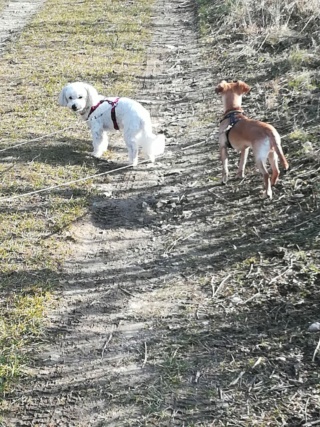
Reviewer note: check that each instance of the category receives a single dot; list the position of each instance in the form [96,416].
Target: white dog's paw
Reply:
[96,154]
[152,158]
[224,179]
[266,194]
[133,160]
[240,175]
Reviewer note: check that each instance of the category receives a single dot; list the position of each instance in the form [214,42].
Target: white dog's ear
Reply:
[62,98]
[93,95]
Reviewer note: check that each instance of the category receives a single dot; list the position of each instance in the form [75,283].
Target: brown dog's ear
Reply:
[243,87]
[220,87]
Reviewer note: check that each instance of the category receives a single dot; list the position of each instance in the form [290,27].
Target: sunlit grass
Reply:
[21,321]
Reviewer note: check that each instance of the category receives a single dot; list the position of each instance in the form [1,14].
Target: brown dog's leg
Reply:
[266,178]
[242,163]
[224,160]
[273,159]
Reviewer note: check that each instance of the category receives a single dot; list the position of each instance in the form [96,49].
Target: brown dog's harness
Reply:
[113,110]
[233,116]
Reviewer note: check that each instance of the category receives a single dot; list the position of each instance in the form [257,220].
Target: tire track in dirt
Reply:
[142,237]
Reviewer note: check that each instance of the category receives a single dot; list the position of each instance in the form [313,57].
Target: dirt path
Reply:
[118,285]
[14,17]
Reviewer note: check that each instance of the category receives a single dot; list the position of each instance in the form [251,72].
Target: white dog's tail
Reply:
[152,145]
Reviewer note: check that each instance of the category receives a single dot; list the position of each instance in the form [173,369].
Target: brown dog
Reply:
[239,132]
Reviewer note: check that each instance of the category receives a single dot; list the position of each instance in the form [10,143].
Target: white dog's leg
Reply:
[133,154]
[151,157]
[99,142]
[133,148]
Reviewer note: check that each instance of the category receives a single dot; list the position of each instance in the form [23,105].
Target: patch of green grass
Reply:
[173,367]
[248,261]
[302,81]
[299,134]
[299,57]
[172,370]
[103,43]
[21,322]
[209,11]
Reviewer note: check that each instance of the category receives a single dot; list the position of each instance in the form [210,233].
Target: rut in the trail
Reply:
[125,252]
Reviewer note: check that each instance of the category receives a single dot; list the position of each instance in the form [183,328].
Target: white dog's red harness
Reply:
[113,110]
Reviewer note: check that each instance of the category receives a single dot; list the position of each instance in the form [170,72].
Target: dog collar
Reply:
[230,113]
[113,110]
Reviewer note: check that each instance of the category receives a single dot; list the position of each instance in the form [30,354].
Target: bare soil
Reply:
[13,18]
[184,302]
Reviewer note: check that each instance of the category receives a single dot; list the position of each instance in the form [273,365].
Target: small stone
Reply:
[314,327]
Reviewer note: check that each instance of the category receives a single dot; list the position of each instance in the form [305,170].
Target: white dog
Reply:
[112,114]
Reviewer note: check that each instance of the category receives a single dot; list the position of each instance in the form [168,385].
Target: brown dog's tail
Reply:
[276,144]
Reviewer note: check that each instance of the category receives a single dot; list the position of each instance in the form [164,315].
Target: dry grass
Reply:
[259,16]
[274,46]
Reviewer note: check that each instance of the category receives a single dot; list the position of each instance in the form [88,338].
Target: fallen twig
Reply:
[316,351]
[250,270]
[311,423]
[215,292]
[126,292]
[145,354]
[234,382]
[172,245]
[282,274]
[251,298]
[106,343]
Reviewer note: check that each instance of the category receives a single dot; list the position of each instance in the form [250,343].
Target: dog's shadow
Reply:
[64,152]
